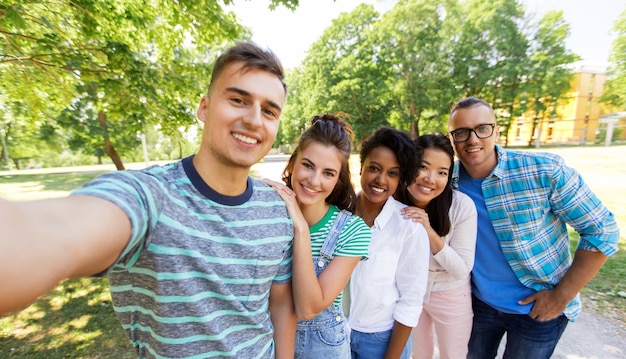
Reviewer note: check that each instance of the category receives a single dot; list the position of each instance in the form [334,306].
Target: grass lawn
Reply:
[18,186]
[76,319]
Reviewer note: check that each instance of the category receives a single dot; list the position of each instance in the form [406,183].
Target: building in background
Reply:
[580,118]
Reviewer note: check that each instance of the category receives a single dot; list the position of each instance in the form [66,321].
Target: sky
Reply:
[290,34]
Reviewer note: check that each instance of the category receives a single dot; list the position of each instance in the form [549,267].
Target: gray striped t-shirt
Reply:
[194,279]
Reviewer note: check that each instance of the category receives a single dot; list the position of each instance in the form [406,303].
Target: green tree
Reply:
[615,86]
[360,87]
[490,49]
[294,116]
[23,139]
[132,51]
[406,70]
[549,76]
[340,74]
[509,59]
[414,48]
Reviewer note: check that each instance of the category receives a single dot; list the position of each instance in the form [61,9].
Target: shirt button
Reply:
[338,318]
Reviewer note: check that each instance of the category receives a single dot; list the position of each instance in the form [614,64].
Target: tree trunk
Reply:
[5,150]
[415,125]
[414,130]
[108,147]
[511,110]
[531,139]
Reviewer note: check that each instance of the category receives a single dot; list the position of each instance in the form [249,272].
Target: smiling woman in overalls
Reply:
[321,201]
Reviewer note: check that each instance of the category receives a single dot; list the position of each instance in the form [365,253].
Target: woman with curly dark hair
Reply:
[388,288]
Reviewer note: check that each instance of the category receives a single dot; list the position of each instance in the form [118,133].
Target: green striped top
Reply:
[354,239]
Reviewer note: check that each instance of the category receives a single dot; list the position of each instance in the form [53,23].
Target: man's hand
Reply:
[549,304]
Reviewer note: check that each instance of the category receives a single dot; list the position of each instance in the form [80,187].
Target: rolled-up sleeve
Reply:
[412,277]
[574,202]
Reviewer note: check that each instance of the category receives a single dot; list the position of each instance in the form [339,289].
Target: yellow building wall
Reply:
[578,114]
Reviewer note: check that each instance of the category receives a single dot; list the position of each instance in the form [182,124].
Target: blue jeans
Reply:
[374,345]
[525,337]
[324,336]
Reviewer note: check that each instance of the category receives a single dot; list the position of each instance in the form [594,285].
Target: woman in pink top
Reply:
[449,217]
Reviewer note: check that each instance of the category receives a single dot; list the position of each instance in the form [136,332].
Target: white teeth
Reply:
[245,139]
[379,190]
[426,189]
[473,150]
[307,189]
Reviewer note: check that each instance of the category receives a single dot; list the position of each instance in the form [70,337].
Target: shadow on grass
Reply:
[75,320]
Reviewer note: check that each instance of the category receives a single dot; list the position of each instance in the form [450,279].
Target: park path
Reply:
[591,336]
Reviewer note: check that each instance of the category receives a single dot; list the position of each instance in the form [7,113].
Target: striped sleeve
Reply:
[354,239]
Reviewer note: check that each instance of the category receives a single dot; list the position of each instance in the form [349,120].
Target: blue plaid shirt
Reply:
[530,198]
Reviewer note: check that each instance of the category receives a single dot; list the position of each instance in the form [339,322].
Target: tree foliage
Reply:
[408,66]
[340,74]
[548,77]
[615,86]
[414,48]
[145,62]
[92,76]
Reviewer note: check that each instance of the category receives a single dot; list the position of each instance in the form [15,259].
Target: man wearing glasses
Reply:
[524,282]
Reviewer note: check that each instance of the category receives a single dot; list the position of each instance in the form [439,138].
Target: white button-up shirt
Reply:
[391,284]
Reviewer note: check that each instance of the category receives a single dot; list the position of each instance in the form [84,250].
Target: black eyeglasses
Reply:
[481,131]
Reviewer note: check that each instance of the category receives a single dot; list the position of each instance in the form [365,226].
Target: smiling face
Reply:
[380,175]
[433,177]
[315,174]
[240,116]
[478,155]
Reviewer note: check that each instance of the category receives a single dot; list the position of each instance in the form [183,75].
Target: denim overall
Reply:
[325,336]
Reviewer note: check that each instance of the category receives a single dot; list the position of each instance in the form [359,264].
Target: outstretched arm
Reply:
[44,242]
